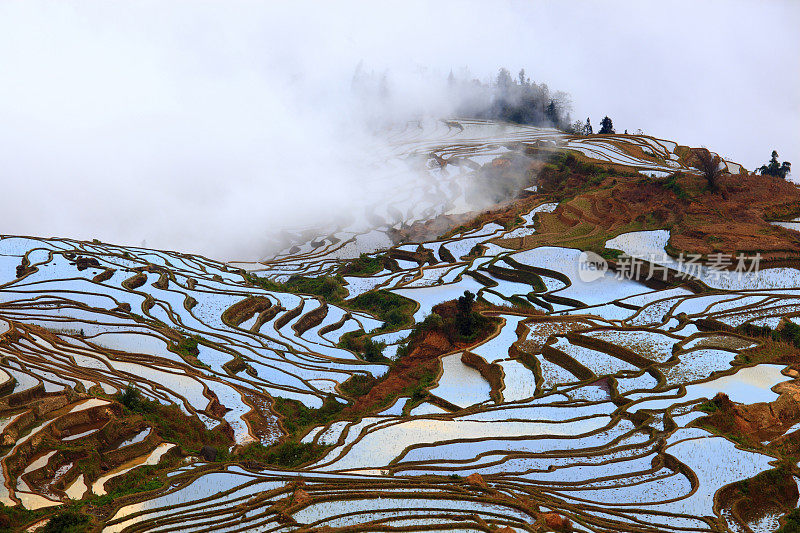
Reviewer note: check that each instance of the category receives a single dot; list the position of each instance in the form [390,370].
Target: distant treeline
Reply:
[504,97]
[512,99]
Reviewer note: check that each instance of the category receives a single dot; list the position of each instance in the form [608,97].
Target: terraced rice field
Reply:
[582,408]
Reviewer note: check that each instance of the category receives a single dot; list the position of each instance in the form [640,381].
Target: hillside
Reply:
[439,362]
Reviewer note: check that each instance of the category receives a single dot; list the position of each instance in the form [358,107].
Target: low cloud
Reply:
[203,126]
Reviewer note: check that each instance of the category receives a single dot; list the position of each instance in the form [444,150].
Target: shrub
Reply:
[433,321]
[11,517]
[792,524]
[67,522]
[349,341]
[141,479]
[373,351]
[790,332]
[708,407]
[671,183]
[187,348]
[358,341]
[358,384]
[709,165]
[133,400]
[331,288]
[289,454]
[171,423]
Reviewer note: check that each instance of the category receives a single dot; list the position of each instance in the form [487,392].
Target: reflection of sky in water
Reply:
[649,245]
[748,385]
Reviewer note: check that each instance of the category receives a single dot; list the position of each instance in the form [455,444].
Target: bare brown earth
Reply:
[731,220]
[422,363]
[735,218]
[758,422]
[422,360]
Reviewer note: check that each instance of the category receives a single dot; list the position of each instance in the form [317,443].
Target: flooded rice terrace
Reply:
[581,410]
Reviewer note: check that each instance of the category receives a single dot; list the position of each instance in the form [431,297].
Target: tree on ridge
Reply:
[606,126]
[773,168]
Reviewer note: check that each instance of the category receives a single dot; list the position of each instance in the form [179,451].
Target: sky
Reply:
[201,125]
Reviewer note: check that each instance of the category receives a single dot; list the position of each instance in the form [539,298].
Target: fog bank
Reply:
[201,126]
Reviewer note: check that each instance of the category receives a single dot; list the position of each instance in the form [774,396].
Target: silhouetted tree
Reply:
[587,129]
[773,168]
[552,113]
[606,126]
[521,76]
[710,165]
[464,318]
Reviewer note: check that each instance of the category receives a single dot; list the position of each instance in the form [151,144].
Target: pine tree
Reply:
[464,317]
[773,168]
[552,113]
[606,126]
[587,129]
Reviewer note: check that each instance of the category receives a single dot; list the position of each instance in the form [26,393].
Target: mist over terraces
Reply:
[427,361]
[481,267]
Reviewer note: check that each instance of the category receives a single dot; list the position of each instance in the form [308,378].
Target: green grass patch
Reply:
[297,417]
[610,254]
[68,521]
[365,265]
[708,407]
[358,384]
[12,518]
[188,349]
[289,454]
[792,524]
[173,425]
[331,288]
[671,184]
[396,311]
[142,479]
[358,341]
[418,392]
